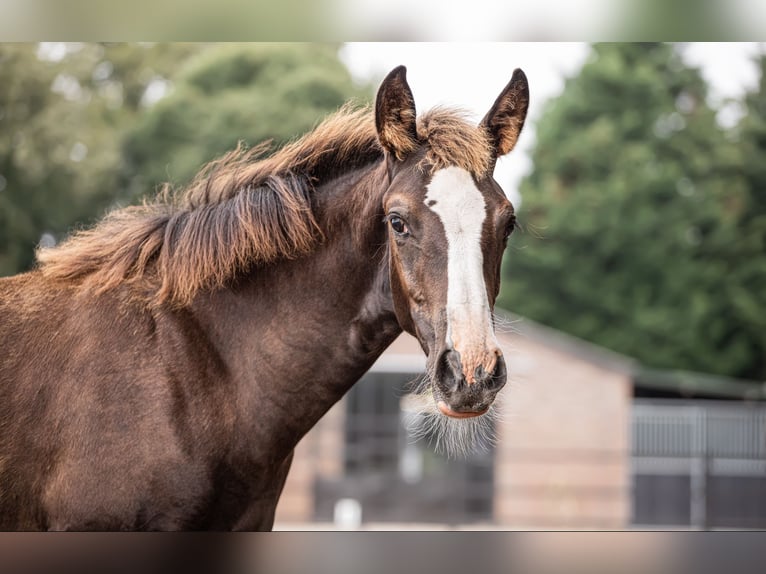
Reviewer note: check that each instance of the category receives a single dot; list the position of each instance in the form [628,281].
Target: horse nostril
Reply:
[449,371]
[497,379]
[453,360]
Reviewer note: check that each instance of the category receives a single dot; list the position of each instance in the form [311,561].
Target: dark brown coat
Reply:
[158,370]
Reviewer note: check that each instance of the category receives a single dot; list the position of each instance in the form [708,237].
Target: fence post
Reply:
[699,470]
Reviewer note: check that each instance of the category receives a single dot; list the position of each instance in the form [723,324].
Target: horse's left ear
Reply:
[506,118]
[395,114]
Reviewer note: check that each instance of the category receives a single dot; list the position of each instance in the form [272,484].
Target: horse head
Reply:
[448,226]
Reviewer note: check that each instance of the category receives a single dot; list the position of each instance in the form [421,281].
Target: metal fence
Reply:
[699,464]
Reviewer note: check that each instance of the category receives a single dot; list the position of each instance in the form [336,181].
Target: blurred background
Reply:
[633,307]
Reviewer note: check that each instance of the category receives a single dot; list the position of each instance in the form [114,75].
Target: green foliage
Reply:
[78,132]
[631,220]
[61,119]
[746,285]
[22,100]
[234,93]
[54,162]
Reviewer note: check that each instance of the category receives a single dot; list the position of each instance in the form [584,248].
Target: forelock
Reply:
[452,140]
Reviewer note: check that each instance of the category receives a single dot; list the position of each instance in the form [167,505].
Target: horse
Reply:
[159,368]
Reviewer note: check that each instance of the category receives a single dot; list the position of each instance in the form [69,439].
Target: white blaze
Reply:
[454,197]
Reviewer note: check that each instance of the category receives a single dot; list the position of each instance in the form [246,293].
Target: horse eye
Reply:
[509,228]
[398,225]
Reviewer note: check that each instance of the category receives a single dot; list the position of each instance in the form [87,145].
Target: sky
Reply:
[472,75]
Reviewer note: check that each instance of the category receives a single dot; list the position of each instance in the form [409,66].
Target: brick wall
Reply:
[562,458]
[563,446]
[320,452]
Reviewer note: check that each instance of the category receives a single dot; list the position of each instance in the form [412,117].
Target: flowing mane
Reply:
[244,209]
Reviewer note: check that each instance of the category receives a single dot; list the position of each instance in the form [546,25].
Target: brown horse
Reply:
[158,370]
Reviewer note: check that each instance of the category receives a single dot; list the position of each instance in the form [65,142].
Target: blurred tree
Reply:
[63,108]
[85,126]
[746,284]
[630,219]
[25,94]
[235,93]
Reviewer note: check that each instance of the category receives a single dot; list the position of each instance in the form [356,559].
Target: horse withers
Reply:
[158,369]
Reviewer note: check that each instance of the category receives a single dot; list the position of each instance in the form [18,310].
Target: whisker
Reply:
[456,438]
[504,324]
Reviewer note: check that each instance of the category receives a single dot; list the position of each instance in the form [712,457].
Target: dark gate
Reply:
[396,478]
[699,463]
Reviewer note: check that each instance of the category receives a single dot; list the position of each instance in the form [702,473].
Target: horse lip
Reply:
[446,410]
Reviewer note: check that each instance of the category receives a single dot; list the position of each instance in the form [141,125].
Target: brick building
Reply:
[564,458]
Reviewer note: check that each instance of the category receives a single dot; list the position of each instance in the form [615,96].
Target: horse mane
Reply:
[243,209]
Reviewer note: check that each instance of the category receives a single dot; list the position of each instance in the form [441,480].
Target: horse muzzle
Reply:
[459,396]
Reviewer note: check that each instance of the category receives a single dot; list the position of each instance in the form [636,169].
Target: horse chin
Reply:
[428,417]
[446,410]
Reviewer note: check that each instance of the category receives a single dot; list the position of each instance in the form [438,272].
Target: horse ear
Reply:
[506,118]
[395,114]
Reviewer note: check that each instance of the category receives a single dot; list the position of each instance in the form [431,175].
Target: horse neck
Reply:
[296,335]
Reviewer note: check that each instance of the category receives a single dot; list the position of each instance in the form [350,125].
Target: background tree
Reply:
[746,257]
[631,218]
[63,108]
[26,96]
[86,126]
[235,93]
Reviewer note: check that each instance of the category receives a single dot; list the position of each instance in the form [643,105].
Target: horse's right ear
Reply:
[395,114]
